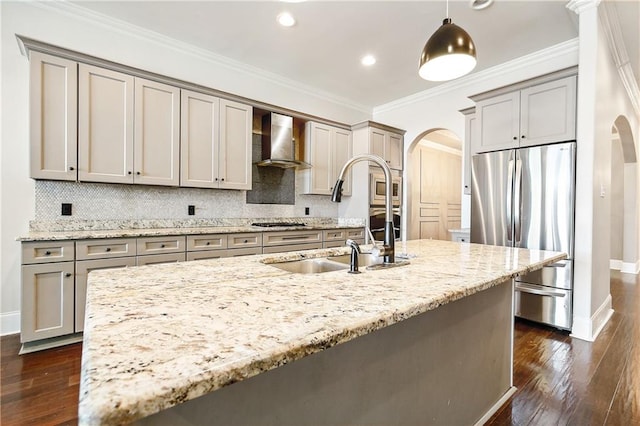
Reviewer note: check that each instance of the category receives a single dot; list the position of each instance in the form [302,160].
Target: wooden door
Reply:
[105,125]
[157,133]
[53,117]
[199,140]
[236,121]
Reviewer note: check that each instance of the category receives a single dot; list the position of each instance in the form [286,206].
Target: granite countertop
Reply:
[156,336]
[81,230]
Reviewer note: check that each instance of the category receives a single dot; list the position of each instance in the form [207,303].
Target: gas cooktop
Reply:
[274,224]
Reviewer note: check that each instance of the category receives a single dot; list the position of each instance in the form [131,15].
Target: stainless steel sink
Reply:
[311,266]
[364,259]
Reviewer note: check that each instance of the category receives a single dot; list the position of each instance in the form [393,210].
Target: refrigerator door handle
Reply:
[526,289]
[509,206]
[517,204]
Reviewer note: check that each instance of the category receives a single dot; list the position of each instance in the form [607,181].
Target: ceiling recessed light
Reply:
[368,60]
[286,19]
[480,4]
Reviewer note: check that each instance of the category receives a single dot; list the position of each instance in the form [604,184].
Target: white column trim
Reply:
[589,328]
[9,323]
[630,267]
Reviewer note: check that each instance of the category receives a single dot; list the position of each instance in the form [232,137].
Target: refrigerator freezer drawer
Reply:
[544,304]
[559,274]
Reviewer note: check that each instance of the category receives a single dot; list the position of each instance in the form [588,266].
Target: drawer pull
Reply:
[68,274]
[47,253]
[161,245]
[108,249]
[208,243]
[246,241]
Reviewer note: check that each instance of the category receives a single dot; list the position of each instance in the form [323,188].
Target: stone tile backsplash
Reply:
[98,201]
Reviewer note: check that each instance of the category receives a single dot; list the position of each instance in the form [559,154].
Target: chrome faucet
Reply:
[389,234]
[355,250]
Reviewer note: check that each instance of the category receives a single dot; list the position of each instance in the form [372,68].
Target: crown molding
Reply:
[579,6]
[549,54]
[78,12]
[608,15]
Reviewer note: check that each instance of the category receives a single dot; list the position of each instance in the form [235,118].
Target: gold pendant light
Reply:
[449,53]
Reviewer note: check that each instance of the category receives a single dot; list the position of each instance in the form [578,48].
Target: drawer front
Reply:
[158,245]
[355,234]
[244,251]
[334,235]
[155,259]
[291,237]
[47,251]
[291,247]
[206,242]
[341,243]
[249,239]
[105,248]
[206,254]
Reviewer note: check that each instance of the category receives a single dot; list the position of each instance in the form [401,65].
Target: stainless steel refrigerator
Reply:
[526,198]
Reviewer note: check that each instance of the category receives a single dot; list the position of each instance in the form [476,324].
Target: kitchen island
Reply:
[238,341]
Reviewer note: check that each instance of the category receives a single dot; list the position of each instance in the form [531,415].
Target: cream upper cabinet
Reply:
[387,145]
[53,104]
[327,149]
[105,125]
[236,121]
[539,114]
[156,155]
[128,129]
[215,142]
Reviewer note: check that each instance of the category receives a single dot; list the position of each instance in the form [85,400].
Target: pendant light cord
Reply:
[447,8]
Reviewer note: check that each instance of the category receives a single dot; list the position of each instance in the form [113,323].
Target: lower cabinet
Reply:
[47,301]
[83,267]
[155,259]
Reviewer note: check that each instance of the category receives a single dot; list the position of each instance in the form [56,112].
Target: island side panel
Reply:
[446,366]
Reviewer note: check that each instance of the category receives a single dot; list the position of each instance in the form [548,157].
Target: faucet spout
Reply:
[336,197]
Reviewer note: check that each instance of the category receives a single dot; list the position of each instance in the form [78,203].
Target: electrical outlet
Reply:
[66,209]
[192,210]
[306,211]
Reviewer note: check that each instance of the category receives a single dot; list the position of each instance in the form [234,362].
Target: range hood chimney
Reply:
[278,146]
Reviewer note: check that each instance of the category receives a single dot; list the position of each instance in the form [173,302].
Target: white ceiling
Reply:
[324,48]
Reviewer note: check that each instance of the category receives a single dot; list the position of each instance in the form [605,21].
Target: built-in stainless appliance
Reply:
[278,146]
[377,220]
[377,190]
[526,198]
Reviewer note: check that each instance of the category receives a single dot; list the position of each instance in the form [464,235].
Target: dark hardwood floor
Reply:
[560,380]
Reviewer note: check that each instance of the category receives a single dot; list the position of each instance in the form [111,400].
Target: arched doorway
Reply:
[434,185]
[624,198]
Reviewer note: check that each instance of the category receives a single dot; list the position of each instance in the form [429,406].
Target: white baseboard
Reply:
[630,268]
[9,323]
[615,264]
[494,409]
[589,328]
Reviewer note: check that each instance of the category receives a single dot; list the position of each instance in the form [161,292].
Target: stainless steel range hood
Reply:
[278,147]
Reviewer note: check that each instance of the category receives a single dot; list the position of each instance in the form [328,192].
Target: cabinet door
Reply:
[318,153]
[377,140]
[343,149]
[53,117]
[236,121]
[105,125]
[47,301]
[498,118]
[83,268]
[470,130]
[157,133]
[548,112]
[199,140]
[394,156]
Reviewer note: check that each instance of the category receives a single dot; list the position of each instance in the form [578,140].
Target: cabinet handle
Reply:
[71,168]
[246,241]
[68,274]
[108,249]
[222,179]
[138,173]
[515,138]
[129,172]
[208,243]
[161,245]
[216,179]
[47,253]
[523,136]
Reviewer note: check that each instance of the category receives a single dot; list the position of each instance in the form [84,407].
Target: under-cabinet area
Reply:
[55,273]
